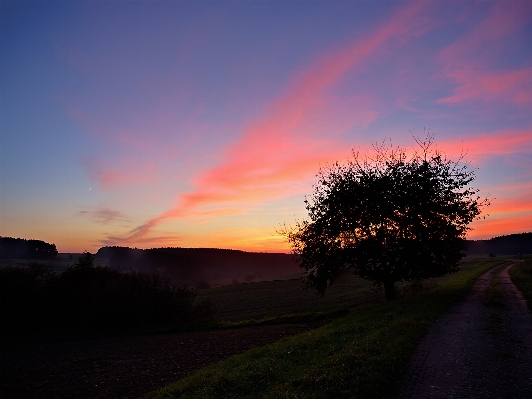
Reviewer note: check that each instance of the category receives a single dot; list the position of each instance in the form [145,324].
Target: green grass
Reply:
[271,299]
[361,355]
[266,299]
[521,275]
[495,303]
[495,296]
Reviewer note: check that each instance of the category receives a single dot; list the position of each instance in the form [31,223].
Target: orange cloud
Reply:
[145,242]
[490,227]
[517,198]
[284,146]
[510,212]
[255,239]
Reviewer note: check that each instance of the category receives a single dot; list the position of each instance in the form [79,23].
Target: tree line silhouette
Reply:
[20,248]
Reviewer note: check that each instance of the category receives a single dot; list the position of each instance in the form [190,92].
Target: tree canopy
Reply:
[389,218]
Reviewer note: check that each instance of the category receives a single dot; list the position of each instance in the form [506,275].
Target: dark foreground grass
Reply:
[521,275]
[361,355]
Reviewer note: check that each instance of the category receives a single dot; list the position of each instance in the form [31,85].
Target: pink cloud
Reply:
[511,87]
[284,147]
[502,142]
[471,61]
[484,39]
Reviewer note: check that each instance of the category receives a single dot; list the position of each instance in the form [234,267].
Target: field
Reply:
[59,264]
[355,353]
[361,355]
[270,299]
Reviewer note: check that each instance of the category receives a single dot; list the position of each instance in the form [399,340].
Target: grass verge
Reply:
[361,355]
[521,275]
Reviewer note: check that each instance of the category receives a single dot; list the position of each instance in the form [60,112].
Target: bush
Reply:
[21,295]
[87,298]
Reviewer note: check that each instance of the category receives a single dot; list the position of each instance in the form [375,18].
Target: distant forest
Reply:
[205,266]
[512,244]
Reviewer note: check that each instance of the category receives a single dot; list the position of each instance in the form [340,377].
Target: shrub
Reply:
[88,298]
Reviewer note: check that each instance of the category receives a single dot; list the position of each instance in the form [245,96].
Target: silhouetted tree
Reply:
[387,219]
[85,261]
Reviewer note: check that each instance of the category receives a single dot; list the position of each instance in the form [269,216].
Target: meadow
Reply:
[350,344]
[267,300]
[360,355]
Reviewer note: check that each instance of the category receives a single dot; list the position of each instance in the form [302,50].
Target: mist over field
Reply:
[200,266]
[211,266]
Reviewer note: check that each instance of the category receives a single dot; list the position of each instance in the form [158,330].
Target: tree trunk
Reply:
[389,291]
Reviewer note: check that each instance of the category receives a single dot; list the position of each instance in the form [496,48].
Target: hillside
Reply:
[195,266]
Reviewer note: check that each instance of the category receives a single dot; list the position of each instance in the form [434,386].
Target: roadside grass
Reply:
[521,275]
[361,355]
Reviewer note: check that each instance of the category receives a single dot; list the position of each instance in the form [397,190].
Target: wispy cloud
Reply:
[512,199]
[480,146]
[129,173]
[507,87]
[473,61]
[104,215]
[290,141]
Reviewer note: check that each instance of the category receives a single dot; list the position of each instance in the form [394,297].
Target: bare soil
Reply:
[126,367]
[481,349]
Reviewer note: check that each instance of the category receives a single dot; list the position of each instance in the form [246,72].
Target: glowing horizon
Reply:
[150,124]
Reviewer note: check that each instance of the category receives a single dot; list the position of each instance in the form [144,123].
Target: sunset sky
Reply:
[203,124]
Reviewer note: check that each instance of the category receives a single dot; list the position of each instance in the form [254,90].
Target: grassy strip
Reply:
[309,317]
[495,296]
[521,275]
[361,355]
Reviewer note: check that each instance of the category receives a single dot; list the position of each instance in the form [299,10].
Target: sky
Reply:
[203,123]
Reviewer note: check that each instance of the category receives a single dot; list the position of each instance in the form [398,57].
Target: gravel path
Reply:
[481,349]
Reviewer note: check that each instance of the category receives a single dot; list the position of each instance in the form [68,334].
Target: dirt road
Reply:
[481,349]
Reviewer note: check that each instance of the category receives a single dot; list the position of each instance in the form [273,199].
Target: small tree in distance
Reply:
[387,219]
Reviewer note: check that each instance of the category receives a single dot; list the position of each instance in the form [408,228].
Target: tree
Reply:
[85,261]
[387,219]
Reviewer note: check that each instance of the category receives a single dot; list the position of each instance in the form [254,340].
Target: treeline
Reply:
[20,248]
[36,301]
[195,266]
[512,244]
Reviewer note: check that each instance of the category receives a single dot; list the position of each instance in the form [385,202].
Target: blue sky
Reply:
[203,124]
